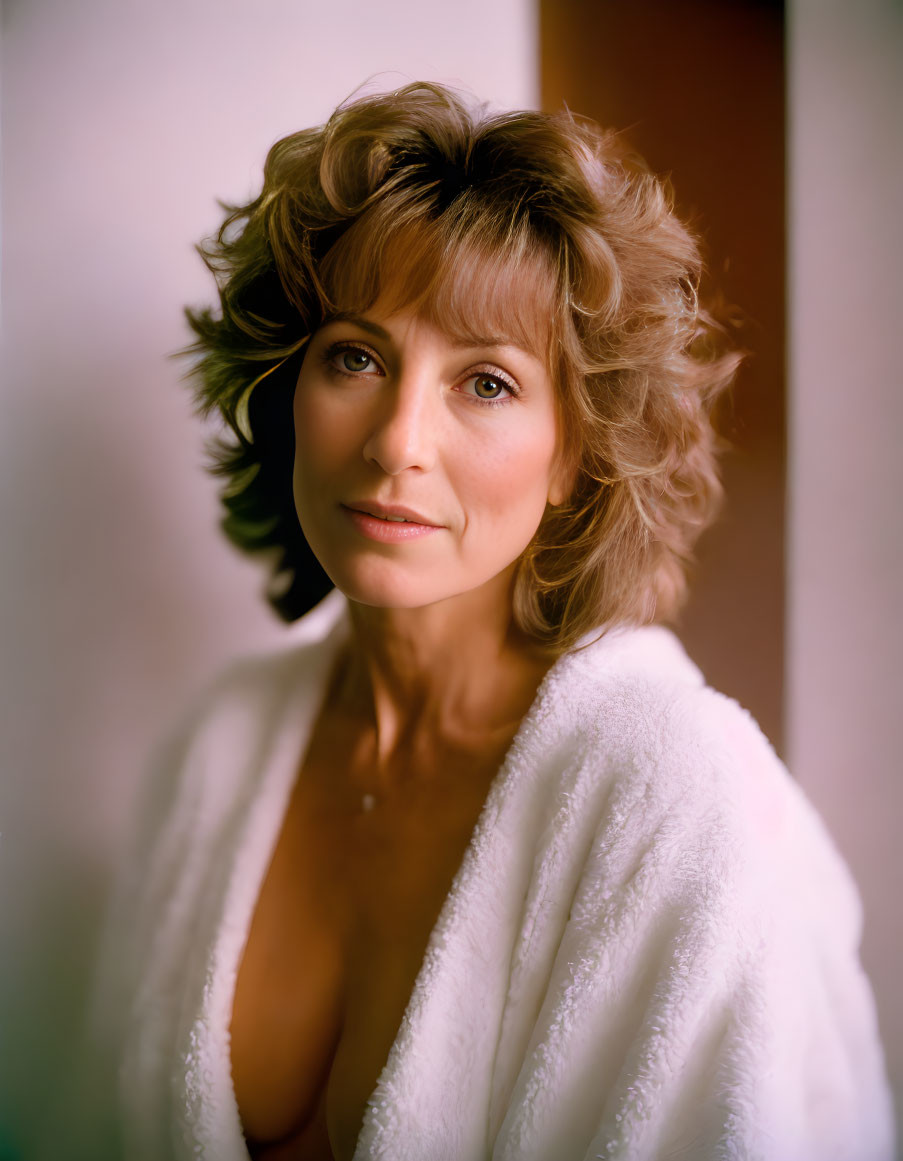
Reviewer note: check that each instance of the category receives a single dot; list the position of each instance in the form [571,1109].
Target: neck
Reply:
[457,672]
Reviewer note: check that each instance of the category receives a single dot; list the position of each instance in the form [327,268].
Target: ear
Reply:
[562,483]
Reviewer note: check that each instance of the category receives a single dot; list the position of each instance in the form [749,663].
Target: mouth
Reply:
[393,526]
[391,513]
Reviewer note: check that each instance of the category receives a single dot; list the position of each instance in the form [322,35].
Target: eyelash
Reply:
[335,349]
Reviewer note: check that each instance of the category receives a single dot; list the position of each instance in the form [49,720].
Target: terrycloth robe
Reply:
[650,949]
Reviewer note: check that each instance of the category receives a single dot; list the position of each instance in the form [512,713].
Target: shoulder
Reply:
[637,692]
[218,748]
[243,695]
[661,751]
[688,774]
[260,677]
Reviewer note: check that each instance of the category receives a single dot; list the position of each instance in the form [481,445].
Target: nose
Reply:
[404,430]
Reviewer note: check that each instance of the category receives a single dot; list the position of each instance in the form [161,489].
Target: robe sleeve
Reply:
[707,999]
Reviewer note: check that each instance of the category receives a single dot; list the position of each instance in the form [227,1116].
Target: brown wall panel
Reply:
[698,88]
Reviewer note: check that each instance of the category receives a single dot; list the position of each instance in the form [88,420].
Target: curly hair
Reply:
[541,228]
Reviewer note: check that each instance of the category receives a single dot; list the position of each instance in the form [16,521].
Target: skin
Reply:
[420,712]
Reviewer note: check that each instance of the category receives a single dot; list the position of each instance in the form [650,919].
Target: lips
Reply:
[393,512]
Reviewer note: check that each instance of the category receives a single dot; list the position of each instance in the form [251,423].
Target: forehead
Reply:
[476,293]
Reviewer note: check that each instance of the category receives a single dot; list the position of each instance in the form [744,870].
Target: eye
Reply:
[489,388]
[355,360]
[350,359]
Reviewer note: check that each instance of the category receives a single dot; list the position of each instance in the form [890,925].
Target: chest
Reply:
[337,939]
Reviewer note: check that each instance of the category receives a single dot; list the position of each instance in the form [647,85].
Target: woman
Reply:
[477,866]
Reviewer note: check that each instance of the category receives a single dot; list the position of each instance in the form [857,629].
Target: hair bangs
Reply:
[480,279]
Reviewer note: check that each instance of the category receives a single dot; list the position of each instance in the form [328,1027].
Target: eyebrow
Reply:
[462,342]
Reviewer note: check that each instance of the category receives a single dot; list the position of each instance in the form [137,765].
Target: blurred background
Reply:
[121,125]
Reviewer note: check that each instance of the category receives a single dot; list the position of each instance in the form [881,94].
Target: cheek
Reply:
[321,435]
[506,482]
[315,453]
[309,421]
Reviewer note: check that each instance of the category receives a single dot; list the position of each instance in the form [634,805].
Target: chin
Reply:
[386,589]
[384,585]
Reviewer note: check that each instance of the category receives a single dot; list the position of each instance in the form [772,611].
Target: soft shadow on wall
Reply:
[698,89]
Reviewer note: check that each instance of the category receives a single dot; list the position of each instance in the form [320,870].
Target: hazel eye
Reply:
[354,359]
[350,360]
[488,387]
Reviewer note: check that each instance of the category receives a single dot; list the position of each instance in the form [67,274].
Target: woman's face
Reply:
[390,412]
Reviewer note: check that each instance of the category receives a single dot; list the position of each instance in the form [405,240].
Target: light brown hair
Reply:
[539,229]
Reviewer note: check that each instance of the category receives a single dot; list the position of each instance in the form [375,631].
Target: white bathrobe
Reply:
[650,949]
